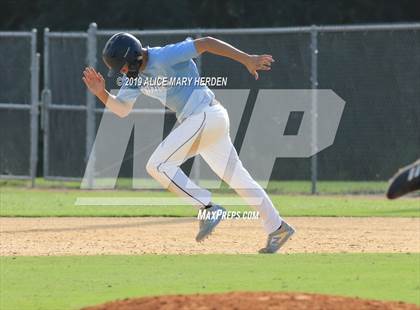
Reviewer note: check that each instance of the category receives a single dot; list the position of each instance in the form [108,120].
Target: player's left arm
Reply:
[252,62]
[95,82]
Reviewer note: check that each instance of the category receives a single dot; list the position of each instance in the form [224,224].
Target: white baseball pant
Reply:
[207,134]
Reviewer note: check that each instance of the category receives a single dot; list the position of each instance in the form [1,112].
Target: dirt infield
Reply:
[252,300]
[92,236]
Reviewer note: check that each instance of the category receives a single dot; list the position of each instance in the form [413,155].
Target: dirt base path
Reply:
[93,236]
[254,301]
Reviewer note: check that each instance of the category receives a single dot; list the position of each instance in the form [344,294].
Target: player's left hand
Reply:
[94,81]
[258,62]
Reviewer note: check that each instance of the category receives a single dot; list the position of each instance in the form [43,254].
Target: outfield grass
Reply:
[44,202]
[274,187]
[71,282]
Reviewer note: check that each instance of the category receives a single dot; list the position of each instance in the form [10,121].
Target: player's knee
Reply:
[156,166]
[152,168]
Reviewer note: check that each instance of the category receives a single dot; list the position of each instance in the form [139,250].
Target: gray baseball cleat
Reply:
[277,238]
[210,218]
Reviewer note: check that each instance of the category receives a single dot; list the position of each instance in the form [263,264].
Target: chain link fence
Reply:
[373,68]
[19,105]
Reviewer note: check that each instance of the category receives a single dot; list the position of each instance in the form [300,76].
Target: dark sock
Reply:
[209,205]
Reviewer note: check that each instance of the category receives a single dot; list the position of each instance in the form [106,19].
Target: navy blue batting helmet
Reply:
[123,48]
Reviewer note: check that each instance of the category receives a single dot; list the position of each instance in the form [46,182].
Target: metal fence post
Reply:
[197,159]
[90,104]
[314,110]
[34,107]
[46,101]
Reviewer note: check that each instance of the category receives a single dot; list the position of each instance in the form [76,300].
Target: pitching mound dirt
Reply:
[251,300]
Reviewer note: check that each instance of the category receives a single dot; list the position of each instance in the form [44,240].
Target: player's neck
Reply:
[145,57]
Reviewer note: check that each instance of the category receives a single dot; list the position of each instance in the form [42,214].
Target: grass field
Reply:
[279,187]
[72,282]
[69,282]
[44,202]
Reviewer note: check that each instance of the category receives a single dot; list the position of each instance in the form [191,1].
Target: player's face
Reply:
[124,69]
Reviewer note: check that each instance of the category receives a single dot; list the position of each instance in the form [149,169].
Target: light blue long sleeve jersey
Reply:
[173,61]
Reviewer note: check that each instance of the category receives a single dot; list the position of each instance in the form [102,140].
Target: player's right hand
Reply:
[254,63]
[94,80]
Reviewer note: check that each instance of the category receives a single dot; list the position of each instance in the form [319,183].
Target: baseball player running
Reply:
[203,128]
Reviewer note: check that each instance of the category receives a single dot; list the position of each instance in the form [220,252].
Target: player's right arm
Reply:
[96,85]
[253,63]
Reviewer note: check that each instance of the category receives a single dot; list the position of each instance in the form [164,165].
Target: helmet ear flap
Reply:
[134,67]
